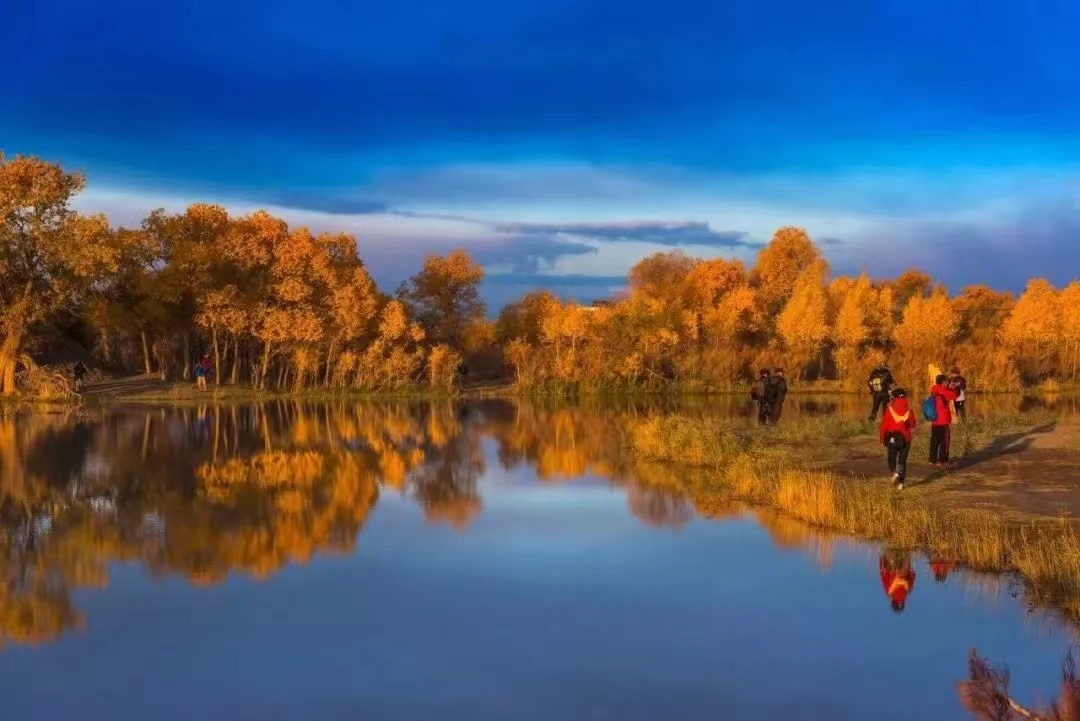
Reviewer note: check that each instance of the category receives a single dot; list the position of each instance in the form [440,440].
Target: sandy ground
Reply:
[1030,474]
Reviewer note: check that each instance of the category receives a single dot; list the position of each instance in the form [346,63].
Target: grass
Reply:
[773,467]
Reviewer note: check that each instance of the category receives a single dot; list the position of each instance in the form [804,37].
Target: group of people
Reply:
[769,393]
[946,403]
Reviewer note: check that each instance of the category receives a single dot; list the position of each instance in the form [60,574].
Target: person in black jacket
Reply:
[779,392]
[880,383]
[760,394]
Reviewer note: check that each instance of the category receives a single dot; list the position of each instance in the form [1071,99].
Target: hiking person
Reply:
[202,372]
[897,422]
[936,410]
[958,384]
[897,578]
[880,383]
[780,389]
[762,391]
[79,372]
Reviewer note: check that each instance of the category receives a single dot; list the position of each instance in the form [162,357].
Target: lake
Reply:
[480,560]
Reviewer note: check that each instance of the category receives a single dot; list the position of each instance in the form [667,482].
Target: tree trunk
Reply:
[145,352]
[236,361]
[13,337]
[329,364]
[265,366]
[185,362]
[217,356]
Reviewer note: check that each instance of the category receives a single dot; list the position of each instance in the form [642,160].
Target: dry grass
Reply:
[768,467]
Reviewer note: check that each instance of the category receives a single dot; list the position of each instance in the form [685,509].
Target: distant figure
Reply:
[941,568]
[778,385]
[897,423]
[760,394]
[880,383]
[958,384]
[897,578]
[941,422]
[202,372]
[79,372]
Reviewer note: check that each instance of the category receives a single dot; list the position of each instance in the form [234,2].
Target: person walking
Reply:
[897,423]
[760,394]
[79,371]
[202,372]
[958,384]
[940,420]
[779,389]
[880,383]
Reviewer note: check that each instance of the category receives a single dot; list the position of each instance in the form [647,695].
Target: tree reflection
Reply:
[202,492]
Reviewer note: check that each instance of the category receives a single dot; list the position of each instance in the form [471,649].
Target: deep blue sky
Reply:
[562,140]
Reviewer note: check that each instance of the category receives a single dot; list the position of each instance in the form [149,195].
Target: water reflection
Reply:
[205,492]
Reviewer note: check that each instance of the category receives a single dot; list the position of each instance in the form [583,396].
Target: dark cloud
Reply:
[659,233]
[1039,241]
[528,253]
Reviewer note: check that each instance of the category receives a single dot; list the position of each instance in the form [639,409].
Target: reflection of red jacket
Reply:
[943,395]
[897,584]
[898,418]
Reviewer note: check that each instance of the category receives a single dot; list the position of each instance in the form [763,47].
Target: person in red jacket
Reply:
[897,422]
[940,427]
[897,578]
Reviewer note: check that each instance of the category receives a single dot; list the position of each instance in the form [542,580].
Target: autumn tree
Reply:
[910,284]
[49,255]
[661,275]
[1033,330]
[803,323]
[1069,303]
[780,264]
[444,297]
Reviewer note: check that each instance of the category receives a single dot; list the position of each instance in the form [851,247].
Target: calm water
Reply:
[485,561]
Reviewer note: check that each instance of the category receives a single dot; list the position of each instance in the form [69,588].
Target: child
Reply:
[940,431]
[202,372]
[958,384]
[895,434]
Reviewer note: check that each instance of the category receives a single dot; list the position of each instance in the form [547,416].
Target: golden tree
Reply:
[1069,302]
[780,264]
[1033,330]
[444,297]
[803,323]
[49,255]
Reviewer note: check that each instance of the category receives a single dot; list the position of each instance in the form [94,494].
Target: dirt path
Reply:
[1032,474]
[120,387]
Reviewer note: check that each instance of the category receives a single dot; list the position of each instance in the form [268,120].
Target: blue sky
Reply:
[560,141]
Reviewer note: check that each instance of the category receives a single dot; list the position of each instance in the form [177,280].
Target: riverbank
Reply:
[817,471]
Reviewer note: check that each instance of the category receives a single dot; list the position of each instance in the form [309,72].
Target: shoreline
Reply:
[143,389]
[721,464]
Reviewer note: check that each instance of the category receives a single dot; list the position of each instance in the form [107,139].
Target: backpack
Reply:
[929,409]
[772,391]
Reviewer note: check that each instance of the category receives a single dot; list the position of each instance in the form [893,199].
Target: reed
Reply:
[771,467]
